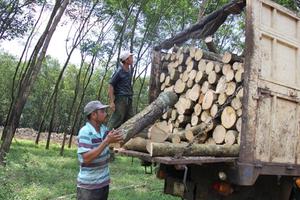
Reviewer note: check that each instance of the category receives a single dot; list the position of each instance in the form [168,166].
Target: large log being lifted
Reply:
[149,115]
[208,25]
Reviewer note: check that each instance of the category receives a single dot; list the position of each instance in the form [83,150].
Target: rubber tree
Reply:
[34,66]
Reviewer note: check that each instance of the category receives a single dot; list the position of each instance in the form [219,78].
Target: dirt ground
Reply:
[30,134]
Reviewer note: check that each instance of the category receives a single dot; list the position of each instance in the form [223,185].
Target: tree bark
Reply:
[35,64]
[136,144]
[149,115]
[169,149]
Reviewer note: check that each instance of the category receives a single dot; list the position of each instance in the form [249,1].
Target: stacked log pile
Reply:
[206,120]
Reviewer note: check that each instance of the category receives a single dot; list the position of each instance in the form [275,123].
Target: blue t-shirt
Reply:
[121,81]
[93,175]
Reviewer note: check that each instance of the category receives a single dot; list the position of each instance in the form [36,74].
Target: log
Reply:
[210,44]
[211,56]
[190,83]
[198,54]
[201,97]
[239,112]
[230,88]
[229,75]
[210,141]
[197,109]
[188,125]
[222,98]
[180,69]
[218,68]
[209,67]
[192,74]
[174,114]
[191,65]
[238,125]
[212,77]
[169,89]
[148,115]
[205,116]
[205,87]
[180,86]
[214,110]
[200,131]
[194,92]
[159,132]
[192,51]
[226,68]
[181,57]
[162,77]
[208,100]
[231,137]
[237,65]
[188,60]
[194,120]
[179,136]
[183,106]
[231,58]
[169,149]
[199,77]
[236,103]
[240,93]
[202,65]
[173,56]
[174,74]
[136,144]
[185,76]
[162,87]
[184,119]
[175,138]
[168,81]
[206,26]
[239,75]
[219,134]
[221,86]
[167,114]
[228,117]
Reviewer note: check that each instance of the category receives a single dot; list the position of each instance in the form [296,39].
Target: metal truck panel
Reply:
[270,132]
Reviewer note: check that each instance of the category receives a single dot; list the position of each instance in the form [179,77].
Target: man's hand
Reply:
[112,106]
[114,136]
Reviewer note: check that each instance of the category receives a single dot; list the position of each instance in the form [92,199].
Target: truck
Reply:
[267,166]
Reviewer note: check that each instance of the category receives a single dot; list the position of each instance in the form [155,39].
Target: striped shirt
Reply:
[93,175]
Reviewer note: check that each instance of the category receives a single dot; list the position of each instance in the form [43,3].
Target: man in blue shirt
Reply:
[93,153]
[120,91]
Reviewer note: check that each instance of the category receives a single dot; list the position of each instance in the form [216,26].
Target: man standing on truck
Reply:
[93,154]
[120,91]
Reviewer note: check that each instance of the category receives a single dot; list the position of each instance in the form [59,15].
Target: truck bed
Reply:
[197,160]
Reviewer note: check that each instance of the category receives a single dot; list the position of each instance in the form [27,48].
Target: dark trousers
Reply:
[95,194]
[122,113]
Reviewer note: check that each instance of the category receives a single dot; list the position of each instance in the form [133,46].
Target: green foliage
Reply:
[290,4]
[16,18]
[33,173]
[134,24]
[7,67]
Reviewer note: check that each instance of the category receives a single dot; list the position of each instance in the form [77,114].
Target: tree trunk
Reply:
[148,116]
[85,83]
[136,144]
[169,149]
[35,65]
[159,132]
[210,44]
